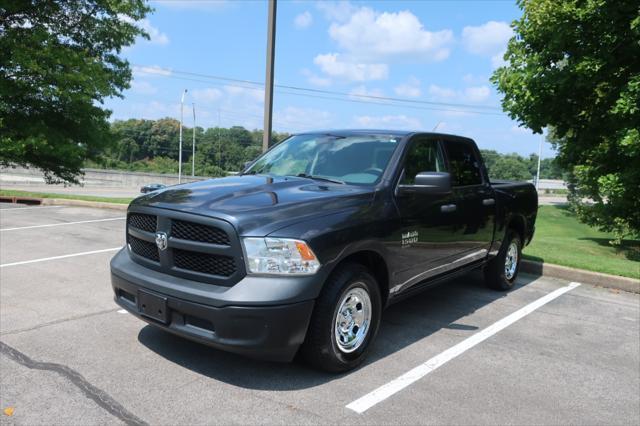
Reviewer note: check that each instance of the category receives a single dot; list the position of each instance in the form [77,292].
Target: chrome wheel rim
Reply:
[353,318]
[511,261]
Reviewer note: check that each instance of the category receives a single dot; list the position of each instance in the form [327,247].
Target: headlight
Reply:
[280,256]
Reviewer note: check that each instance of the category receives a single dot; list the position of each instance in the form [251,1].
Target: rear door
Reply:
[473,200]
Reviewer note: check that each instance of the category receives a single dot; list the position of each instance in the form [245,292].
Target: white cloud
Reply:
[336,10]
[143,87]
[489,39]
[370,34]
[333,65]
[388,121]
[151,70]
[314,79]
[254,94]
[303,20]
[410,89]
[476,94]
[497,60]
[300,119]
[155,35]
[154,110]
[207,95]
[441,93]
[475,79]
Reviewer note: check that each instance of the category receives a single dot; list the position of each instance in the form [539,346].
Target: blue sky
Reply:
[438,53]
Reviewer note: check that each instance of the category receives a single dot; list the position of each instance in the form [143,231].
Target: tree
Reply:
[574,68]
[59,62]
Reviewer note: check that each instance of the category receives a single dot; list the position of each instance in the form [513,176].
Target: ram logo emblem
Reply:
[161,240]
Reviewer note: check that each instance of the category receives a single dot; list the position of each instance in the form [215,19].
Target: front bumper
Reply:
[272,332]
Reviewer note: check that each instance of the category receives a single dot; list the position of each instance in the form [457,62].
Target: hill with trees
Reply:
[152,146]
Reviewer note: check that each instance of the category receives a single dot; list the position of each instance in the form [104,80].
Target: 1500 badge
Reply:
[409,238]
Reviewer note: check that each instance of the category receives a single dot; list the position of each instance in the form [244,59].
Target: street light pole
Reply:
[193,145]
[180,144]
[539,155]
[268,84]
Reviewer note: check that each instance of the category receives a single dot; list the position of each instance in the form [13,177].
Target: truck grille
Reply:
[200,249]
[145,222]
[204,263]
[143,248]
[197,232]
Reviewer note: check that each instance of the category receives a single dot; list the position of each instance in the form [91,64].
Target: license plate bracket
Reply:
[153,306]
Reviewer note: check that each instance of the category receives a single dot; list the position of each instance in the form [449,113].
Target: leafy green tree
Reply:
[574,67]
[59,62]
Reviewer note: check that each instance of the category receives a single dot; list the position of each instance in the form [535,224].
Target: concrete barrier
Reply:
[97,177]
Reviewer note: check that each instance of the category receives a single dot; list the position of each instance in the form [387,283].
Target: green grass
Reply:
[562,240]
[12,193]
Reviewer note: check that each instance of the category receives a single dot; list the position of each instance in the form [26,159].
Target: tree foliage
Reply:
[59,62]
[153,146]
[516,167]
[574,67]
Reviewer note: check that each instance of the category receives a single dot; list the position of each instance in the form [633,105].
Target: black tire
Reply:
[495,273]
[320,348]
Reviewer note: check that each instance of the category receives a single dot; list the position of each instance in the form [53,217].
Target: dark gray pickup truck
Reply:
[305,248]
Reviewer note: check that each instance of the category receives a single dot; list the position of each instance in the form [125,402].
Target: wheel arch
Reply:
[519,225]
[375,263]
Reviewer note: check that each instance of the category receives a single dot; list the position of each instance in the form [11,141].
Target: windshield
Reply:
[357,159]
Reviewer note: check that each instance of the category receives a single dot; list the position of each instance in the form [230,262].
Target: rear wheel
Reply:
[345,320]
[501,272]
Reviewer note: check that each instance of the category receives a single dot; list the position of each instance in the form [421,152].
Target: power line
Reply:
[254,85]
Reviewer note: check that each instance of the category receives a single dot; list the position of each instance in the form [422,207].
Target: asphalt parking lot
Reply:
[69,356]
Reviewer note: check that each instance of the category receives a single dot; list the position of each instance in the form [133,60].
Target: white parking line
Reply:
[29,208]
[61,224]
[44,259]
[385,391]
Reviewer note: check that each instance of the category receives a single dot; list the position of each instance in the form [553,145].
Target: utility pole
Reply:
[180,144]
[219,142]
[268,83]
[539,155]
[193,145]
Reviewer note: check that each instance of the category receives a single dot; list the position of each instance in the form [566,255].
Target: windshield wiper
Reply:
[304,175]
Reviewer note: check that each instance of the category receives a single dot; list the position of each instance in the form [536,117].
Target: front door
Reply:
[423,245]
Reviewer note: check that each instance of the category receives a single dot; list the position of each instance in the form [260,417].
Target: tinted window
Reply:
[423,156]
[463,164]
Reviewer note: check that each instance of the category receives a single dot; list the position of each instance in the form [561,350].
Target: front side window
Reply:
[423,156]
[357,159]
[463,164]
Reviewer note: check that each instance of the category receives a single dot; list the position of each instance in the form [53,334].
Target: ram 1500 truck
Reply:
[303,250]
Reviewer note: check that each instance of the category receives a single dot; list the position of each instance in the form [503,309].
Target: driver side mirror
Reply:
[428,183]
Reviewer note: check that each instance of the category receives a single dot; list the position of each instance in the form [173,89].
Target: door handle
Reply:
[488,202]
[448,208]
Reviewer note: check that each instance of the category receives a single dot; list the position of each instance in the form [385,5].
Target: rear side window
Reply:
[463,164]
[423,156]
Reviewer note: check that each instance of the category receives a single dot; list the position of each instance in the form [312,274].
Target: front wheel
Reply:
[501,272]
[345,320]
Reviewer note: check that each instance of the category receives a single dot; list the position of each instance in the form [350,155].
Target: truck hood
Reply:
[258,205]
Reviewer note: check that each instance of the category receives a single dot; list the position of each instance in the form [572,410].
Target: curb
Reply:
[83,203]
[585,277]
